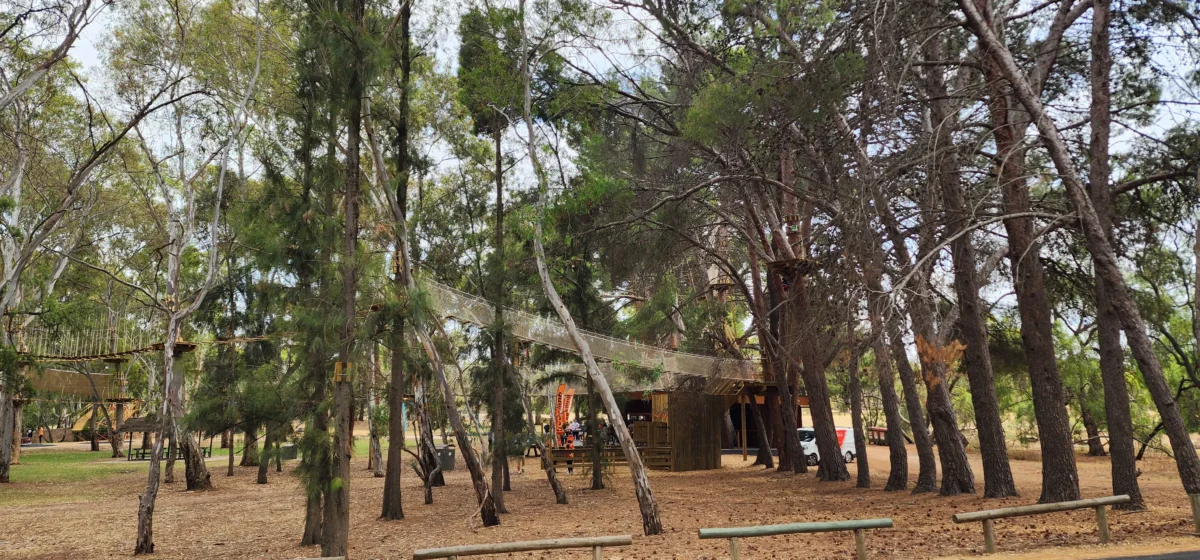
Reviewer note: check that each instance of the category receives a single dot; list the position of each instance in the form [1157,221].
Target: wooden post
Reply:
[1195,499]
[860,544]
[1102,523]
[744,438]
[989,538]
[733,548]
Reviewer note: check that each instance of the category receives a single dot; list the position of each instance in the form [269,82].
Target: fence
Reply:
[989,538]
[859,526]
[594,543]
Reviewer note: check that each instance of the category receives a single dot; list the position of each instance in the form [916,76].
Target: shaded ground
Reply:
[94,515]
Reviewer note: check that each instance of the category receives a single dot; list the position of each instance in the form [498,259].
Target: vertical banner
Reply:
[557,415]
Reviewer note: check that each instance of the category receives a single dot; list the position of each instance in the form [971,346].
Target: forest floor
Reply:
[93,514]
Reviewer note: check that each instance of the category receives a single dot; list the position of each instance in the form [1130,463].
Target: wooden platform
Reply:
[655,458]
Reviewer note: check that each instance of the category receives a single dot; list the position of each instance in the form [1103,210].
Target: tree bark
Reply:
[265,464]
[560,493]
[94,440]
[997,474]
[597,444]
[926,460]
[764,456]
[1118,419]
[651,522]
[336,521]
[499,351]
[1092,428]
[860,437]
[897,453]
[250,446]
[1103,257]
[229,438]
[6,426]
[114,435]
[1060,480]
[791,454]
[18,426]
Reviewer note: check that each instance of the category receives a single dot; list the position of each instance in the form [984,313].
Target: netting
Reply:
[551,332]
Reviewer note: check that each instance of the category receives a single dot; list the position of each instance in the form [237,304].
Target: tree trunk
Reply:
[651,523]
[114,434]
[145,528]
[926,460]
[336,522]
[832,464]
[18,426]
[860,437]
[172,455]
[764,456]
[993,448]
[229,439]
[1092,428]
[95,439]
[499,351]
[1118,419]
[791,454]
[897,453]
[729,435]
[312,519]
[250,446]
[392,507]
[597,444]
[427,449]
[265,464]
[195,470]
[560,494]
[6,426]
[1060,480]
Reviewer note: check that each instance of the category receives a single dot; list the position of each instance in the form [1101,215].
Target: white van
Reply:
[808,442]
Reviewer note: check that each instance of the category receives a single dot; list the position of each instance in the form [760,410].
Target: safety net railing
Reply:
[550,332]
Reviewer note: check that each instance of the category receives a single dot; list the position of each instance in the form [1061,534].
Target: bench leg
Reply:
[1102,523]
[860,543]
[596,553]
[989,538]
[733,548]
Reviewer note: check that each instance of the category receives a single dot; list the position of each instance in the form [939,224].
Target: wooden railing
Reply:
[989,537]
[594,543]
[859,526]
[656,458]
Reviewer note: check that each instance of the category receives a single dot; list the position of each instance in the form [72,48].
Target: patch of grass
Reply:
[47,477]
[52,467]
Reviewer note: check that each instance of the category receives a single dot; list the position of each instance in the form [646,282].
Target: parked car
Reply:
[808,443]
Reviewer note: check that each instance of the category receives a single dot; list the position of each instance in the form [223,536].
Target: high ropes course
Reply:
[121,343]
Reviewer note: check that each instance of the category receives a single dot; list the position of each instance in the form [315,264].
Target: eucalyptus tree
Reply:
[175,169]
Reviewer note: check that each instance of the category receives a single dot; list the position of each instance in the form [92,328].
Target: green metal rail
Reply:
[859,526]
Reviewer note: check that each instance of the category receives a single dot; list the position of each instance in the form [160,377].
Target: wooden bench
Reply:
[594,543]
[859,526]
[989,538]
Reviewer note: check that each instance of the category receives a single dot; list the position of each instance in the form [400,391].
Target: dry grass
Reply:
[241,519]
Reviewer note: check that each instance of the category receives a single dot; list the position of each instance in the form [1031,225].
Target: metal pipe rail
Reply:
[989,537]
[594,543]
[859,526]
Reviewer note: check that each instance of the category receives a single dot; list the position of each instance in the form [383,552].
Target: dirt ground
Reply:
[240,519]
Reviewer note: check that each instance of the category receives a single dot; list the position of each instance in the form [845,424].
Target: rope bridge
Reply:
[133,337]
